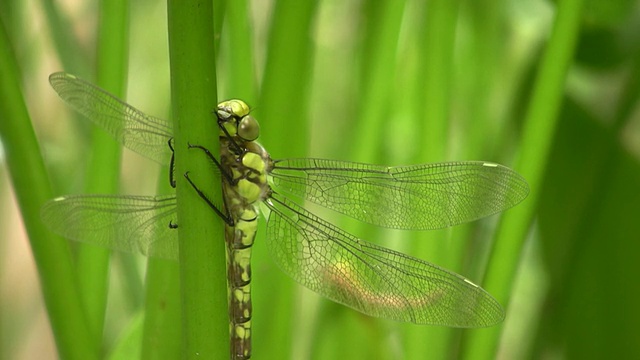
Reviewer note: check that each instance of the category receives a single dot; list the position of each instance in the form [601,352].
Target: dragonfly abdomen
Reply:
[239,241]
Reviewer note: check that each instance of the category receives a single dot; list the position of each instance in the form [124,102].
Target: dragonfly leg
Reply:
[224,173]
[224,216]
[227,176]
[236,148]
[172,165]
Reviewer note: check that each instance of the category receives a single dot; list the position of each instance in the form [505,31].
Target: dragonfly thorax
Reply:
[245,161]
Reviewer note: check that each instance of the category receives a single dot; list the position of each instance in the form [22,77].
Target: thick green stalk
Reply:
[205,329]
[540,124]
[51,253]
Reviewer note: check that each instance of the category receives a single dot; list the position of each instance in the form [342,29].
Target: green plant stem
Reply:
[379,60]
[540,125]
[241,82]
[481,78]
[287,70]
[436,77]
[128,345]
[285,91]
[66,43]
[162,337]
[205,330]
[433,111]
[29,179]
[104,166]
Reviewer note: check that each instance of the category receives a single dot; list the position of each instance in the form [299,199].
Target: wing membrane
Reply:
[369,278]
[419,197]
[135,224]
[144,134]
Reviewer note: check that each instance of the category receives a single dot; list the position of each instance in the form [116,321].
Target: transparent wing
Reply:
[144,134]
[419,197]
[369,278]
[136,224]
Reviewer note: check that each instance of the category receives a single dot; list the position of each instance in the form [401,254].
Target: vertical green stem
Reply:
[162,337]
[436,76]
[285,91]
[434,103]
[205,329]
[29,179]
[241,82]
[480,77]
[378,62]
[104,167]
[540,124]
[66,43]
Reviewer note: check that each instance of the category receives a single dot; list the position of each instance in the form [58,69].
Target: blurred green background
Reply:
[549,88]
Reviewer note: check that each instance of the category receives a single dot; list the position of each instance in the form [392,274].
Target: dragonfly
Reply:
[369,278]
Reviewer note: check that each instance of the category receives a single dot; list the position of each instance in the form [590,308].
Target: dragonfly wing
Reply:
[419,197]
[371,279]
[144,134]
[135,224]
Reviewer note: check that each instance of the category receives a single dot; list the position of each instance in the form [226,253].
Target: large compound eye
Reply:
[248,128]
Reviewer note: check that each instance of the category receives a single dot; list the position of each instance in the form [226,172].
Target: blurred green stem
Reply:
[433,105]
[540,125]
[162,338]
[65,42]
[285,91]
[378,57]
[104,168]
[29,179]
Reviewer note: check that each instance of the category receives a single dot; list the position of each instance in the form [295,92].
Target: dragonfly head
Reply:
[234,116]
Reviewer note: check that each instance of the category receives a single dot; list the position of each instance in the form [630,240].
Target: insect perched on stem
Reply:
[326,259]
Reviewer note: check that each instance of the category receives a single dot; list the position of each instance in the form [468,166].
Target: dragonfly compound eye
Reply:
[248,128]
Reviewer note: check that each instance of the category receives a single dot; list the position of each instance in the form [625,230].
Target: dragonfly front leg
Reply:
[223,215]
[228,177]
[172,165]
